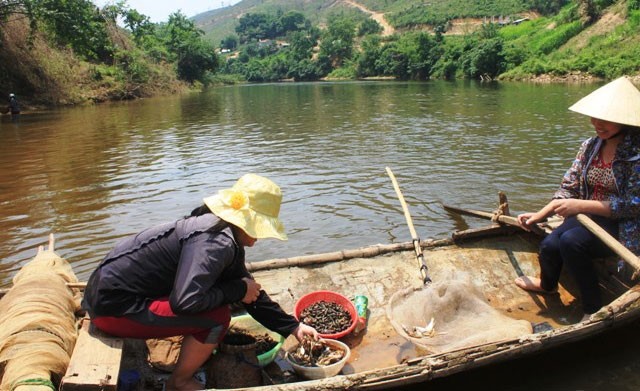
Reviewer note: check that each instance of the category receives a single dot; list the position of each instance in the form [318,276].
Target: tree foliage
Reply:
[257,26]
[88,30]
[76,23]
[337,41]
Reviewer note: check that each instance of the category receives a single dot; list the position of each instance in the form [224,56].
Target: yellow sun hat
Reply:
[617,101]
[252,204]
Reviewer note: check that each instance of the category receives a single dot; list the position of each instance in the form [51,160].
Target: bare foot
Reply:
[188,385]
[531,284]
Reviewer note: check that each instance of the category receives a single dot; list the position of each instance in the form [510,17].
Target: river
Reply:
[94,174]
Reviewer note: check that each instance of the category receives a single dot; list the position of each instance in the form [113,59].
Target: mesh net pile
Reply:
[449,315]
[37,324]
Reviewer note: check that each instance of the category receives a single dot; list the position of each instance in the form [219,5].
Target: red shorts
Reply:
[159,321]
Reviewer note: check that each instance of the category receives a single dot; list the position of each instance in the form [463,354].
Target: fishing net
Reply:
[449,315]
[37,324]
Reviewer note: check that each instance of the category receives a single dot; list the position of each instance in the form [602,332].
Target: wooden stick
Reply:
[508,220]
[414,235]
[610,241]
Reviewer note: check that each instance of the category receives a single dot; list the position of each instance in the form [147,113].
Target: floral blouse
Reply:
[625,202]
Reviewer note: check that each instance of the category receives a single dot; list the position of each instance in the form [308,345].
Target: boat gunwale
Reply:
[621,311]
[337,256]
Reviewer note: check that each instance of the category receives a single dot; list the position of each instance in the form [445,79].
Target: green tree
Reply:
[301,45]
[369,53]
[484,59]
[369,26]
[229,42]
[256,26]
[194,56]
[337,41]
[10,7]
[77,23]
[293,21]
[305,70]
[140,25]
[391,61]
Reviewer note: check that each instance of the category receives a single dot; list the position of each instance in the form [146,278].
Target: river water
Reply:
[94,174]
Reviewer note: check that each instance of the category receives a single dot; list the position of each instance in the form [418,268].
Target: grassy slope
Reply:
[42,74]
[608,48]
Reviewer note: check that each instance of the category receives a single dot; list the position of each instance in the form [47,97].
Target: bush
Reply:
[347,71]
[558,37]
[535,67]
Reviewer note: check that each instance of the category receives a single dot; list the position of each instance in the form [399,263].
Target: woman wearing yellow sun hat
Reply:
[179,278]
[604,183]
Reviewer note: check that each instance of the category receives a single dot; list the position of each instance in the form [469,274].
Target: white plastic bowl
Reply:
[313,373]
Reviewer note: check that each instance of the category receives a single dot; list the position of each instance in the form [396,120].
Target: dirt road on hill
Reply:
[377,16]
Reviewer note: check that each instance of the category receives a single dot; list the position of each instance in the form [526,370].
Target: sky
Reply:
[159,10]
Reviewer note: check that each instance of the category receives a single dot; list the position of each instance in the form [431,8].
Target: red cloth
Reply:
[160,322]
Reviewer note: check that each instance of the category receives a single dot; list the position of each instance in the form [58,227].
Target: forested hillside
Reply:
[423,40]
[70,51]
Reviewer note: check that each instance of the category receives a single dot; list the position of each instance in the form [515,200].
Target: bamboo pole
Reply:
[508,220]
[416,240]
[610,241]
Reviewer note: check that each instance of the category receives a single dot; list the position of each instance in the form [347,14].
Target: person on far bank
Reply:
[179,278]
[603,183]
[14,106]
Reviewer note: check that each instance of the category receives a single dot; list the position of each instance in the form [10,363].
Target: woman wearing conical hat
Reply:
[179,278]
[603,183]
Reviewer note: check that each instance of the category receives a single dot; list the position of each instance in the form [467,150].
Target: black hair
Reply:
[204,209]
[200,210]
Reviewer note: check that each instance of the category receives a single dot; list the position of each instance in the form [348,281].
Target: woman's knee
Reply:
[576,241]
[550,247]
[220,315]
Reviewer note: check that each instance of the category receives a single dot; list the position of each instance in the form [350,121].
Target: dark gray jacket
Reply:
[196,267]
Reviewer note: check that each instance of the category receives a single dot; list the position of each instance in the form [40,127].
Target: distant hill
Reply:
[399,15]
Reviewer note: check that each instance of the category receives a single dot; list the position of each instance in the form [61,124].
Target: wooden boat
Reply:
[381,357]
[493,257]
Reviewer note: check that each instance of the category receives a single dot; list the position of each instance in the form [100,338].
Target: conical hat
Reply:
[618,101]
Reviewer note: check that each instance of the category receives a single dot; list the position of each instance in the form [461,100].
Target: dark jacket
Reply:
[14,107]
[196,267]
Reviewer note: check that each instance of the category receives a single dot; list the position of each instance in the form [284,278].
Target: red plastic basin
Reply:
[331,297]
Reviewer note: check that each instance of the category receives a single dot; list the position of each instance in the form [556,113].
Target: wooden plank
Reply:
[492,230]
[95,362]
[508,220]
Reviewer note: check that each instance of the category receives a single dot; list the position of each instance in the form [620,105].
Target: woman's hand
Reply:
[523,220]
[567,207]
[561,207]
[253,290]
[303,330]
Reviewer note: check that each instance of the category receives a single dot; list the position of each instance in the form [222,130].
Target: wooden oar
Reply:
[610,241]
[508,220]
[424,272]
